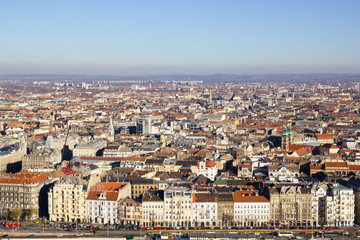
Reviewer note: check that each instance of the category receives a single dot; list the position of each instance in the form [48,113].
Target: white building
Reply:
[153,208]
[177,206]
[103,201]
[204,209]
[340,203]
[318,203]
[350,143]
[250,211]
[208,169]
[283,173]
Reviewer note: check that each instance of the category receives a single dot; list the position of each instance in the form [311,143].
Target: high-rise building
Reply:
[143,125]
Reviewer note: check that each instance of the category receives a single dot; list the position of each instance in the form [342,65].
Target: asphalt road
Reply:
[218,233]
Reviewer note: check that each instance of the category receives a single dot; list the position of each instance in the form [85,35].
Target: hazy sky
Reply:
[179,36]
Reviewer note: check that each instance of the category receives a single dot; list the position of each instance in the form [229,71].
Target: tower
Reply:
[49,143]
[285,139]
[111,132]
[290,134]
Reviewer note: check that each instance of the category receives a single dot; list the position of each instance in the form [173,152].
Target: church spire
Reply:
[111,131]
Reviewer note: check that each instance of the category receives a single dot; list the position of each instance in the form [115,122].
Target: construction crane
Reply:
[67,134]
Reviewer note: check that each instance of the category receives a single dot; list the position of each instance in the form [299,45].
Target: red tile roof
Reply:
[239,197]
[110,196]
[109,186]
[336,164]
[324,136]
[210,164]
[68,171]
[23,178]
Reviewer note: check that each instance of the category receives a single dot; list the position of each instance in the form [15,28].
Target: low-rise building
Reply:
[89,149]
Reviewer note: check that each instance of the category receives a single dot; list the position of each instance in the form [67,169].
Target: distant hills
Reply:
[249,78]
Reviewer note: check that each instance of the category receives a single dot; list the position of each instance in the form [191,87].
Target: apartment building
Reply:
[204,210]
[251,210]
[67,200]
[103,202]
[340,204]
[177,207]
[225,209]
[21,191]
[153,208]
[290,206]
[130,212]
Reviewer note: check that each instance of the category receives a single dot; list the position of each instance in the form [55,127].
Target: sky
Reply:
[133,37]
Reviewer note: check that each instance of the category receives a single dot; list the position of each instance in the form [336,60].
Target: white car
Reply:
[59,235]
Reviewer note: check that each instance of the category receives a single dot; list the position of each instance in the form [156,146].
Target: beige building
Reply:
[290,206]
[153,208]
[139,186]
[177,206]
[130,212]
[67,200]
[225,209]
[40,161]
[12,155]
[90,149]
[22,191]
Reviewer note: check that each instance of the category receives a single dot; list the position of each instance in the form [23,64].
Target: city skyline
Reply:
[179,37]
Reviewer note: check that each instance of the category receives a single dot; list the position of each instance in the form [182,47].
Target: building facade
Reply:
[204,210]
[103,202]
[290,206]
[130,212]
[340,203]
[67,200]
[21,191]
[153,208]
[225,209]
[177,207]
[251,210]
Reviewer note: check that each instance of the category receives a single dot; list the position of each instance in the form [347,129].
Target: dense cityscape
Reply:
[180,155]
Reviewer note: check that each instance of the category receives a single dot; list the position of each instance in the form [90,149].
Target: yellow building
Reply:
[139,186]
[67,200]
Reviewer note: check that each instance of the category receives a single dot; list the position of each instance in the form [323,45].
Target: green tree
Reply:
[32,213]
[16,214]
